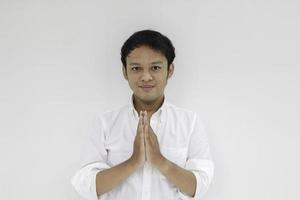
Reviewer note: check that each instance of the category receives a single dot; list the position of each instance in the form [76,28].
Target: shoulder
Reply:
[182,113]
[108,116]
[184,120]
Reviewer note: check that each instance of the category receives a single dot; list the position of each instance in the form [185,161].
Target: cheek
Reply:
[131,79]
[162,80]
[133,84]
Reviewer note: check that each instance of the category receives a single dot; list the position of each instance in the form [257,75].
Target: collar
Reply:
[160,114]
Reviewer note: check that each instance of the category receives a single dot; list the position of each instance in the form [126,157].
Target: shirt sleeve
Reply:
[199,160]
[84,180]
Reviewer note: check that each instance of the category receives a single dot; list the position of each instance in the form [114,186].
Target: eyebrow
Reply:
[156,62]
[134,63]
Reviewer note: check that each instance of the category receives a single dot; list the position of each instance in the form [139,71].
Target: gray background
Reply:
[237,65]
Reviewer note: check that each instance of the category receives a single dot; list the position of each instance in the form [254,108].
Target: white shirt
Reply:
[182,140]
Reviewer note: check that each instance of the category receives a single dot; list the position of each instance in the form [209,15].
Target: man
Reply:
[148,148]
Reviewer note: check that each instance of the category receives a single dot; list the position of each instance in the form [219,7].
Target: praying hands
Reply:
[146,146]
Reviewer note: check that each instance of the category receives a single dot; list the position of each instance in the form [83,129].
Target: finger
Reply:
[146,128]
[153,137]
[145,122]
[142,117]
[146,135]
[140,124]
[145,117]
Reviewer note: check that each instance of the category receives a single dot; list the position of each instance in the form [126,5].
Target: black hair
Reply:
[149,38]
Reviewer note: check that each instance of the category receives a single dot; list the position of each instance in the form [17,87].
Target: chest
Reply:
[173,139]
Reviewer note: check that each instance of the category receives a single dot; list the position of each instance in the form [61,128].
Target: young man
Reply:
[148,148]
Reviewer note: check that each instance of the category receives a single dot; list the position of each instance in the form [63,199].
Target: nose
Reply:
[146,76]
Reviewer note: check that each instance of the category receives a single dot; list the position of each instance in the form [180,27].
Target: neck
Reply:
[151,106]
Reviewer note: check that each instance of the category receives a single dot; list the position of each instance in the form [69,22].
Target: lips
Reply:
[147,86]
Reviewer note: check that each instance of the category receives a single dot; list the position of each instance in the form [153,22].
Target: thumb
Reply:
[141,123]
[146,128]
[145,117]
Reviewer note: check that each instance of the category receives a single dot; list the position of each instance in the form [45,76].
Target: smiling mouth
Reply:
[146,88]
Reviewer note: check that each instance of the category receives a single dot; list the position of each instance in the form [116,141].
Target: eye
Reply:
[135,68]
[156,68]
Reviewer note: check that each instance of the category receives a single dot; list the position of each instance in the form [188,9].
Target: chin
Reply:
[146,97]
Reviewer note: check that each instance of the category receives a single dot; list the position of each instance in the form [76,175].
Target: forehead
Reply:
[145,54]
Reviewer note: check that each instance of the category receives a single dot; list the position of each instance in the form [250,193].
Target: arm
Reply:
[194,179]
[108,179]
[183,179]
[98,177]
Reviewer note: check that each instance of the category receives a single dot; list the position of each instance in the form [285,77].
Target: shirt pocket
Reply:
[175,155]
[116,157]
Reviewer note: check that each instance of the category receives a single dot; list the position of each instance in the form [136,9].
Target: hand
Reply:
[138,157]
[153,154]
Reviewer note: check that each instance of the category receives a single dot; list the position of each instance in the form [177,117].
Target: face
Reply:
[147,73]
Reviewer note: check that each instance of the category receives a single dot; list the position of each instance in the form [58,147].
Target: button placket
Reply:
[146,182]
[147,170]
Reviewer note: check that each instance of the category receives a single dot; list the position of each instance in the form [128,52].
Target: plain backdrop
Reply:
[237,65]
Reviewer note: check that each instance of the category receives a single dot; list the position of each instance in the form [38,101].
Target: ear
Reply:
[124,72]
[171,70]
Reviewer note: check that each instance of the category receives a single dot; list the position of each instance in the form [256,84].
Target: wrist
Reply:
[163,164]
[133,165]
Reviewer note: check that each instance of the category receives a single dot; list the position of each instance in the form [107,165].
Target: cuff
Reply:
[84,181]
[184,196]
[203,171]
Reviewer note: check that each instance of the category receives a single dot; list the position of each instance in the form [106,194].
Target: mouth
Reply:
[147,88]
